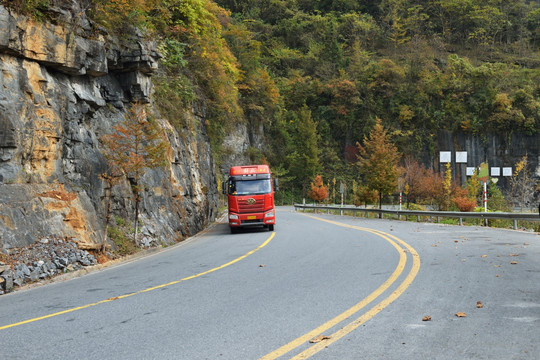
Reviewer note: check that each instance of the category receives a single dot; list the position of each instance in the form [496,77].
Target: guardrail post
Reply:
[515,224]
[437,219]
[460,221]
[418,218]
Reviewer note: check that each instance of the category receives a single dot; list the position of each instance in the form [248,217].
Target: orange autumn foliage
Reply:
[463,200]
[318,191]
[137,144]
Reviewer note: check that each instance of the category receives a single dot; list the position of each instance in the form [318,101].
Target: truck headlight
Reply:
[269,214]
[233,217]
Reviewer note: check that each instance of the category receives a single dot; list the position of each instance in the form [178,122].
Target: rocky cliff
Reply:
[497,150]
[64,84]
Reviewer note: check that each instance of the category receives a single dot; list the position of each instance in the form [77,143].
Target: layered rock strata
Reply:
[63,87]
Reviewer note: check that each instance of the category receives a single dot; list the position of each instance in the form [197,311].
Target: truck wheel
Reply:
[271,227]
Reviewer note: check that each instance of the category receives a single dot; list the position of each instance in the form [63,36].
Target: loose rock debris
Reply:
[44,259]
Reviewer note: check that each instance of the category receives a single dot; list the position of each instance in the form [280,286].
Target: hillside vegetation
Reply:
[317,74]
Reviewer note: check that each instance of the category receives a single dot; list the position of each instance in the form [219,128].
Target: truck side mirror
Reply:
[276,184]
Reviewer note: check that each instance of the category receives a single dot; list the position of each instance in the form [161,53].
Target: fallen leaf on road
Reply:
[513,255]
[426,318]
[319,339]
[479,304]
[497,275]
[113,298]
[496,265]
[526,243]
[461,314]
[455,241]
[262,265]
[484,256]
[513,262]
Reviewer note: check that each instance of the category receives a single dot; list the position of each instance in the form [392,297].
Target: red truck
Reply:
[250,194]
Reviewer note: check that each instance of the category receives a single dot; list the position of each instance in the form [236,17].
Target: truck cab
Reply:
[250,196]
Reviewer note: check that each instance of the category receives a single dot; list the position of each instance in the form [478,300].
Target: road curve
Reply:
[355,284]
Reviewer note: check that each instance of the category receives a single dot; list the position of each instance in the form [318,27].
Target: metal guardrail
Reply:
[515,217]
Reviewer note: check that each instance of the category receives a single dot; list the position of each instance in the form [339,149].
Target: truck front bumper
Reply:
[256,219]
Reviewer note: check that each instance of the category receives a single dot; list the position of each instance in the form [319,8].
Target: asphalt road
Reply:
[362,287]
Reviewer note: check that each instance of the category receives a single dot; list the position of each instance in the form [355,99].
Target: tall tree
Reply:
[344,101]
[135,145]
[474,186]
[304,161]
[378,159]
[447,186]
[413,174]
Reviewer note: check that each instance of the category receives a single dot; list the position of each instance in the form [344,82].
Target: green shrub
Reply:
[416,207]
[450,221]
[174,95]
[122,236]
[120,221]
[36,9]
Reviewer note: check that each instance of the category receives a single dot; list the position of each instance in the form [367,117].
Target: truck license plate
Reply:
[251,217]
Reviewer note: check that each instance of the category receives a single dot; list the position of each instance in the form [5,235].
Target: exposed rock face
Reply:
[235,145]
[63,88]
[498,150]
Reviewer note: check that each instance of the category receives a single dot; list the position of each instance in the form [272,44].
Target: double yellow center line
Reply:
[402,248]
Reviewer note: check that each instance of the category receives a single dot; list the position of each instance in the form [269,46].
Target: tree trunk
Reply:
[107,219]
[137,201]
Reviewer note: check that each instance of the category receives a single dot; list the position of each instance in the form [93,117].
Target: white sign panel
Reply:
[461,157]
[470,171]
[507,171]
[446,156]
[495,171]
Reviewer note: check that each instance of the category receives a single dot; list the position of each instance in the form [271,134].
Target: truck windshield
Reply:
[249,187]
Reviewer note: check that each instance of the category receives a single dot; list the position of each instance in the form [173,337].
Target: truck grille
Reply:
[248,206]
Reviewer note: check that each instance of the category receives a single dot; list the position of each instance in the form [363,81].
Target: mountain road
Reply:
[320,287]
